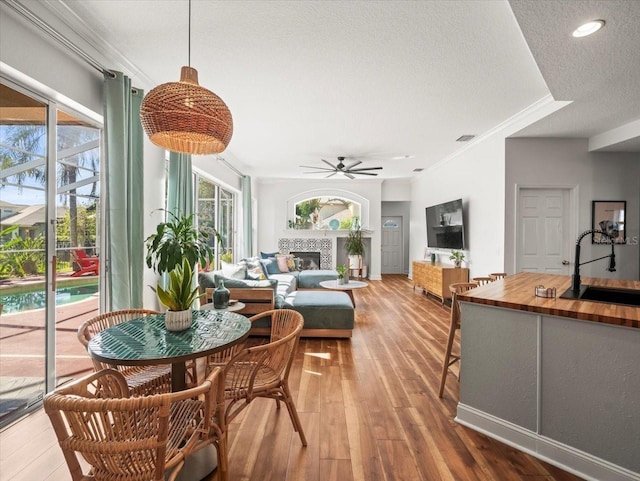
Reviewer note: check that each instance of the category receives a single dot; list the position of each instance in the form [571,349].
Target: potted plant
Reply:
[342,274]
[175,240]
[355,248]
[178,297]
[457,257]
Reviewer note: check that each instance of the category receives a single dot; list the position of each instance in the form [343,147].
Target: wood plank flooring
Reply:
[368,405]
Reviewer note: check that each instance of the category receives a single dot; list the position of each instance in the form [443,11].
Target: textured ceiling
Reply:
[377,80]
[600,74]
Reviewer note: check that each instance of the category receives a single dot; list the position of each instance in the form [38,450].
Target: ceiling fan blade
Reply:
[333,167]
[347,174]
[330,175]
[362,173]
[365,168]
[357,162]
[319,168]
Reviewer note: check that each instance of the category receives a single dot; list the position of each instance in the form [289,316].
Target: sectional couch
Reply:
[326,313]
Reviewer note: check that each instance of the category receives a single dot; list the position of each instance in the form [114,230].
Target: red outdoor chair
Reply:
[86,264]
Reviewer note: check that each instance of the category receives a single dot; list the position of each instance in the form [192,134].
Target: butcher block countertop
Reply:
[518,292]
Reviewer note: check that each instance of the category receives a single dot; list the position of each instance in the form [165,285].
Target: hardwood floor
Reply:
[369,407]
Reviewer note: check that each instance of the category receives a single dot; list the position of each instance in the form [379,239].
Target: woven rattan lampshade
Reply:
[185,117]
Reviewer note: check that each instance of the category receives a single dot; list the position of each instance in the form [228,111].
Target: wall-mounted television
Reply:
[445,225]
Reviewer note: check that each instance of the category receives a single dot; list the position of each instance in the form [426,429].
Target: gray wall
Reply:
[553,163]
[402,209]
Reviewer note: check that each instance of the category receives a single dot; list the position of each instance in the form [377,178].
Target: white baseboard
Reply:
[565,457]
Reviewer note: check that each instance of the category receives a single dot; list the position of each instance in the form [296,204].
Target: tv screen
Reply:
[445,225]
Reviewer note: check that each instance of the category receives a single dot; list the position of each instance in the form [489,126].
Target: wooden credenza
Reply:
[436,278]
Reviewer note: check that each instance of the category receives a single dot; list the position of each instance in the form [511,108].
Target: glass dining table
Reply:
[146,341]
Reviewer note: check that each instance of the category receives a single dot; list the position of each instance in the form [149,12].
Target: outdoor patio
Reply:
[22,351]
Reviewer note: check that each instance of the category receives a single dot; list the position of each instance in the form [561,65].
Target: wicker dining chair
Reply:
[263,371]
[132,438]
[497,275]
[454,325]
[142,380]
[481,281]
[282,321]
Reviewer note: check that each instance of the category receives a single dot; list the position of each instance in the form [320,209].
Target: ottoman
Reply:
[326,314]
[311,279]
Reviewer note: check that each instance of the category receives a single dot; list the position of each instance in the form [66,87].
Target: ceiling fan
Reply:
[342,169]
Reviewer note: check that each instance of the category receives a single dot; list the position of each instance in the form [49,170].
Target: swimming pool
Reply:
[21,299]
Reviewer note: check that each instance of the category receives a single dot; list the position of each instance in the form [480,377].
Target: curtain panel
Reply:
[180,188]
[247,218]
[124,172]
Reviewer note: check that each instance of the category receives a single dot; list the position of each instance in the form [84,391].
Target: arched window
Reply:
[325,212]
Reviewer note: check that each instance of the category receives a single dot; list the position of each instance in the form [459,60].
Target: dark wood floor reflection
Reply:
[369,407]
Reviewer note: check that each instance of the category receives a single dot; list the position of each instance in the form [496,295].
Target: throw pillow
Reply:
[267,255]
[235,271]
[283,263]
[254,268]
[270,266]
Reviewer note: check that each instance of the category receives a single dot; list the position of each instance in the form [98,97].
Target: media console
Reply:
[435,278]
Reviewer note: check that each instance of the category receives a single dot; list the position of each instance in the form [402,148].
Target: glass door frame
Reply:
[55,103]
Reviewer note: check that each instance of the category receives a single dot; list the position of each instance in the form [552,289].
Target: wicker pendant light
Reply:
[185,117]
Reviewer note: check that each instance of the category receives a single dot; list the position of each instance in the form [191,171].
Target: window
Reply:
[216,213]
[326,212]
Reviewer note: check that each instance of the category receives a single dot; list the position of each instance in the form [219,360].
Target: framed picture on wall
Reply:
[608,216]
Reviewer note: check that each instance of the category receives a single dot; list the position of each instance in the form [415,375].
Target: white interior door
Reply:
[543,243]
[392,259]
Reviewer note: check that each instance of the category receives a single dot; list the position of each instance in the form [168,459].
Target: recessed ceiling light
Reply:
[402,157]
[588,28]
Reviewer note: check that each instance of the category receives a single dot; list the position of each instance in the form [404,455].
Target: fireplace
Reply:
[308,260]
[309,245]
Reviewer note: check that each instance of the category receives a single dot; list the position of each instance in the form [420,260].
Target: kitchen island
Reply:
[557,378]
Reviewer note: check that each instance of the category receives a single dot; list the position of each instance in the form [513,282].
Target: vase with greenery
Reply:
[343,277]
[457,257]
[178,239]
[178,297]
[355,248]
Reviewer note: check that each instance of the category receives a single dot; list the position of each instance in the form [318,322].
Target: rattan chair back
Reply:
[130,438]
[142,380]
[263,370]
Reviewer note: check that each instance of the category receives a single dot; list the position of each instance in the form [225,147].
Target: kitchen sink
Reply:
[612,295]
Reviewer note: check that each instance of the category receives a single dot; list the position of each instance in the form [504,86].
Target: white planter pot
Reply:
[355,262]
[178,320]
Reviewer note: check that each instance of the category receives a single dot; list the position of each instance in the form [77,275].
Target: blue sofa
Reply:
[326,313]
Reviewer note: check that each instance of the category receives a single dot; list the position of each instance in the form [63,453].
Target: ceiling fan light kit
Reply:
[185,117]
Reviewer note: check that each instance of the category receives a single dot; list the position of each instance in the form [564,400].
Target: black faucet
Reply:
[575,279]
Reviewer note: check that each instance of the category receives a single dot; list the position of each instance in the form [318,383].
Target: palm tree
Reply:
[22,144]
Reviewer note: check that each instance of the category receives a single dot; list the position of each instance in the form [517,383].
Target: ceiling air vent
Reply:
[465,138]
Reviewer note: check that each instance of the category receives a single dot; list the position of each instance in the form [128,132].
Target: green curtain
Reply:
[180,189]
[247,218]
[124,163]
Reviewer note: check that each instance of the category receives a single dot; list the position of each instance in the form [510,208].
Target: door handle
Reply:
[565,263]
[54,267]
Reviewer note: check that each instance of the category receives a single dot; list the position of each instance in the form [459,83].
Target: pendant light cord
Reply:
[189,45]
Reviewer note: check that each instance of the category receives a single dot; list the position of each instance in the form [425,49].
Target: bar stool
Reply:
[481,281]
[454,324]
[498,275]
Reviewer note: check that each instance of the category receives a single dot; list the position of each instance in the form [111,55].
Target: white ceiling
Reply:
[378,80]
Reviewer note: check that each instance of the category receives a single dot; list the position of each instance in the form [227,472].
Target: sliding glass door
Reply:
[49,226]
